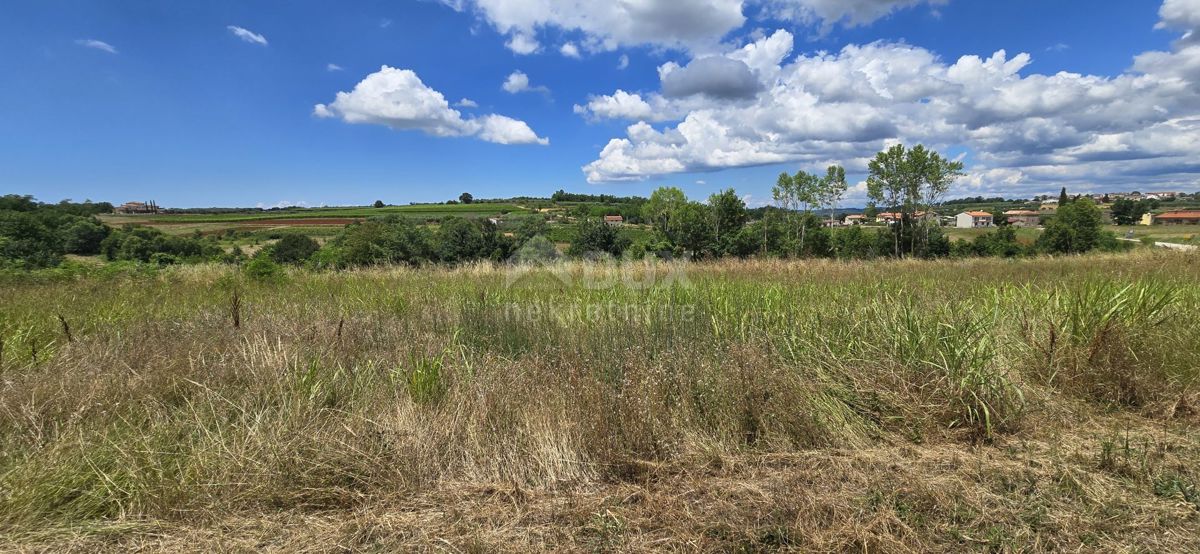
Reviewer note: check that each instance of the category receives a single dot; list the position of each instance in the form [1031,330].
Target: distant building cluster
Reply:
[137,208]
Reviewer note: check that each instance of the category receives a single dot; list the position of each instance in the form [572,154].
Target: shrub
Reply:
[293,248]
[261,268]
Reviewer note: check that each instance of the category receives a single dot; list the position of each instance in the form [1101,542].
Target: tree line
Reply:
[908,182]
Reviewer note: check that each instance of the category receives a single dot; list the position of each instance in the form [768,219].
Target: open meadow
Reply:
[1041,404]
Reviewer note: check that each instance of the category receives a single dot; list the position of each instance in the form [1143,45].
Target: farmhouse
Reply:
[1023,218]
[1181,217]
[973,219]
[137,208]
[614,220]
[856,219]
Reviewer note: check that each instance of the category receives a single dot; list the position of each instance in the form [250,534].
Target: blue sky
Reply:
[235,102]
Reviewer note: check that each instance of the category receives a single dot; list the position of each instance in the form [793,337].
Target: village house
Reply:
[1023,218]
[893,217]
[1180,217]
[856,219]
[137,208]
[614,220]
[973,219]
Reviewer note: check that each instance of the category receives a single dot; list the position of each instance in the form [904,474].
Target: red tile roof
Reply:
[978,214]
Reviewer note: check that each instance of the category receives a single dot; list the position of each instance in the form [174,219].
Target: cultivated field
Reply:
[976,405]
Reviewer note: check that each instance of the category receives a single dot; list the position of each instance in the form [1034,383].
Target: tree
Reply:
[382,241]
[833,187]
[378,204]
[27,243]
[294,248]
[530,227]
[729,215]
[83,236]
[593,235]
[908,181]
[694,228]
[1076,227]
[466,198]
[871,212]
[886,184]
[998,217]
[663,204]
[1128,212]
[1063,199]
[461,240]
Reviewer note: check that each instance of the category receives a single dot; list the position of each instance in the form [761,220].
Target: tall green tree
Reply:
[1063,199]
[833,188]
[887,179]
[694,225]
[909,181]
[1076,228]
[659,209]
[593,235]
[728,214]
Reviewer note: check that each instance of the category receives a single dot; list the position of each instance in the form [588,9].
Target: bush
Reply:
[593,236]
[261,268]
[294,248]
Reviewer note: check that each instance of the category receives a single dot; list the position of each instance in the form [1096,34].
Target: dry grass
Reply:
[898,406]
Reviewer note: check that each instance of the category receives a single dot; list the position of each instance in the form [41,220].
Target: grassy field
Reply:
[979,405]
[424,211]
[1182,234]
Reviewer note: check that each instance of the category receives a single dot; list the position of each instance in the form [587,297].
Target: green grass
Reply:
[948,405]
[1182,234]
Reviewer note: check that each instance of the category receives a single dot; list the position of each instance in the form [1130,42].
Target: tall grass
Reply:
[338,389]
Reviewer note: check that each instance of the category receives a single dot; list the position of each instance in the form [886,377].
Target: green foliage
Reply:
[1077,227]
[466,198]
[461,240]
[378,204]
[293,248]
[26,242]
[857,243]
[536,249]
[1129,212]
[135,243]
[692,229]
[909,181]
[34,235]
[379,241]
[594,236]
[262,268]
[83,236]
[729,215]
[662,206]
[1001,242]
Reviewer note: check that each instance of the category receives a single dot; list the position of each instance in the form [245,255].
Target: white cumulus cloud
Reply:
[399,99]
[680,24]
[518,82]
[1025,130]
